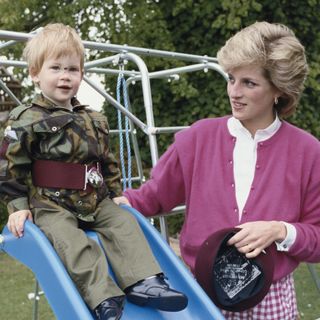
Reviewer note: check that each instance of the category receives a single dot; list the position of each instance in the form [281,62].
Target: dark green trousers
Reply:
[123,242]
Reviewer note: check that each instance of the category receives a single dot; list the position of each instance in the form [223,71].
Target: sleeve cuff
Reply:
[18,204]
[286,244]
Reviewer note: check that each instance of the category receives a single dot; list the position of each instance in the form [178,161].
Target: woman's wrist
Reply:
[280,231]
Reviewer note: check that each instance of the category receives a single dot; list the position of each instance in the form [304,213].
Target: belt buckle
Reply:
[93,177]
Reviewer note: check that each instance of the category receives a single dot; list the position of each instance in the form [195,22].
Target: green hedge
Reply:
[3,216]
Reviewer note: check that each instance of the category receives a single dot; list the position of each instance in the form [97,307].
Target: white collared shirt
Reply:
[244,163]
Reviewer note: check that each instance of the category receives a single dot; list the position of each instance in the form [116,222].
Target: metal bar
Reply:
[12,42]
[168,129]
[146,90]
[7,44]
[98,62]
[134,75]
[36,301]
[116,104]
[314,275]
[21,36]
[113,71]
[13,63]
[147,52]
[135,145]
[9,92]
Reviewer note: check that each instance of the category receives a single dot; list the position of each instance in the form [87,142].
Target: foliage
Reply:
[17,282]
[3,216]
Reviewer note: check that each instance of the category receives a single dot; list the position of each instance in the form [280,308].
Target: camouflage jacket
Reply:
[47,132]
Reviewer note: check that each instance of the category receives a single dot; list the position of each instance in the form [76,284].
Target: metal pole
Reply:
[9,92]
[36,301]
[22,36]
[146,90]
[314,275]
[115,103]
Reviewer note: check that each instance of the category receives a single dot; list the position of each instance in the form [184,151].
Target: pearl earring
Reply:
[276,100]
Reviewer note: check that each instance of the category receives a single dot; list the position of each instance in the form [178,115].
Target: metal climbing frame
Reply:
[123,54]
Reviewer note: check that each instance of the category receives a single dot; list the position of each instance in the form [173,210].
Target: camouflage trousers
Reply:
[123,241]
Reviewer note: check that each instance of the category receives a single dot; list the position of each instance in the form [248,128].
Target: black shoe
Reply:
[156,293]
[110,309]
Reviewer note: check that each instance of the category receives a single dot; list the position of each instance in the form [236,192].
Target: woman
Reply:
[251,170]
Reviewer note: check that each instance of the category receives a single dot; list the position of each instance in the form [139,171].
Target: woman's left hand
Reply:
[255,236]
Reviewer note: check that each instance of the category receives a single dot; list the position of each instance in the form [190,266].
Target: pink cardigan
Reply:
[197,170]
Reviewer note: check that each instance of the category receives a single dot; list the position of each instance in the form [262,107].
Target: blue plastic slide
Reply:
[36,252]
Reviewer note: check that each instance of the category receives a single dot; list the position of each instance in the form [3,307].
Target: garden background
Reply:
[196,27]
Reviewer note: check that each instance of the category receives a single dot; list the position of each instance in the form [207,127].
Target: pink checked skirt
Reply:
[279,304]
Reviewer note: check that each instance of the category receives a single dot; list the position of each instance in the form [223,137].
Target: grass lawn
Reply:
[17,281]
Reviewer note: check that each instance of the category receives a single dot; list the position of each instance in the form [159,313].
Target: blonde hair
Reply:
[54,40]
[276,49]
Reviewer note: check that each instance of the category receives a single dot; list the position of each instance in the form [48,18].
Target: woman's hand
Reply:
[121,200]
[255,236]
[16,222]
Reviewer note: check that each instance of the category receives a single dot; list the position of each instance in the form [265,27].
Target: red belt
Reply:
[61,175]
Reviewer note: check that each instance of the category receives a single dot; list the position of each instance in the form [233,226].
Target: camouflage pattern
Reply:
[45,131]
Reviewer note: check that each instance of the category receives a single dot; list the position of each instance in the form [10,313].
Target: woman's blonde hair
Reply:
[276,49]
[54,40]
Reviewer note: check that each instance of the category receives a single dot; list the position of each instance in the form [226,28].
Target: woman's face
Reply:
[251,97]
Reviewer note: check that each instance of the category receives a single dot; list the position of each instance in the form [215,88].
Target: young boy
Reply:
[60,174]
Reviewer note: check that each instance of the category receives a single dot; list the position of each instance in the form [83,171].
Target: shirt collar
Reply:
[237,130]
[44,102]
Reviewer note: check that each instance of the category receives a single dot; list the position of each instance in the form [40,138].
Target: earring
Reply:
[276,100]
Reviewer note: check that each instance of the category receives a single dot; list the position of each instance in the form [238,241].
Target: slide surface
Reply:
[36,252]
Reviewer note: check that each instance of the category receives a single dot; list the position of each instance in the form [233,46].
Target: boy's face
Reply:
[59,79]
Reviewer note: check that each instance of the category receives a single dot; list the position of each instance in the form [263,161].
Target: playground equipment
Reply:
[125,53]
[200,307]
[120,54]
[35,251]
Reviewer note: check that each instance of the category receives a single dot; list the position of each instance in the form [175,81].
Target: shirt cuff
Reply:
[286,244]
[18,204]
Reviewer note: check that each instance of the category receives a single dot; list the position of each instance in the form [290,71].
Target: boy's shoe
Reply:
[110,309]
[155,292]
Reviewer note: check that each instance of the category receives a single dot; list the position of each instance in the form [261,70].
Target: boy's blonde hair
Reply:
[54,40]
[275,48]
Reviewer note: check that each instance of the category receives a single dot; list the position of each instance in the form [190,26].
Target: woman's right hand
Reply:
[16,222]
[121,200]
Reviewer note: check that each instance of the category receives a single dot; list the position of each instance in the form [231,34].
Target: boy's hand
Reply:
[16,222]
[121,200]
